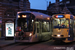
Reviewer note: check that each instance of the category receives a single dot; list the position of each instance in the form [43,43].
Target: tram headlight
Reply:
[68,35]
[18,16]
[30,34]
[58,35]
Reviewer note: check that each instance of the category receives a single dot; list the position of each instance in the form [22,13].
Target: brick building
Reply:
[8,11]
[64,6]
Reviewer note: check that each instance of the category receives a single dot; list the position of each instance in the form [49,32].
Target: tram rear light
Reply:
[18,29]
[30,34]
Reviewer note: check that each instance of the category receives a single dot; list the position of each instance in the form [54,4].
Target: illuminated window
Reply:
[61,23]
[45,26]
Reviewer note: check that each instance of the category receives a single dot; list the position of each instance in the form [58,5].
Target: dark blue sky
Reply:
[40,4]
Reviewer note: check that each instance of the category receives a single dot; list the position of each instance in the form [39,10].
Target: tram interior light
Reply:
[41,15]
[44,22]
[32,20]
[48,18]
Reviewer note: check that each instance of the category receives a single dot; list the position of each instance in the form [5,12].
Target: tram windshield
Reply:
[25,24]
[60,23]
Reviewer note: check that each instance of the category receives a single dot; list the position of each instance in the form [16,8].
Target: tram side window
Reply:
[71,23]
[45,26]
[65,22]
[37,26]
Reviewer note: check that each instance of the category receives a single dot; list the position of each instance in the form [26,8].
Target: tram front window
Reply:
[25,24]
[60,23]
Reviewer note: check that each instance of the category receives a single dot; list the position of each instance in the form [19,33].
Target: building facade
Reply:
[8,12]
[64,6]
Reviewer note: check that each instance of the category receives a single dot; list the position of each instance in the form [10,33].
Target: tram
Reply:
[63,27]
[32,27]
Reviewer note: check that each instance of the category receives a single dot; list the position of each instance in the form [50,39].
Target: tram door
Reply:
[38,30]
[45,30]
[74,29]
[71,30]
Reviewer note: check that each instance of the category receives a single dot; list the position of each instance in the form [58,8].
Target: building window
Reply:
[67,2]
[10,13]
[1,0]
[24,3]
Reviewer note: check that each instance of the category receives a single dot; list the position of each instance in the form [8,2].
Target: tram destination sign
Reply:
[59,16]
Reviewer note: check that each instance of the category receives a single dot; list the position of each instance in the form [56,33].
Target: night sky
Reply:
[40,4]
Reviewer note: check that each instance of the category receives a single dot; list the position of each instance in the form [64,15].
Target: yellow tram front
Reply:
[62,27]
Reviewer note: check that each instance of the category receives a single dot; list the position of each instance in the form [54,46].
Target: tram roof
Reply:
[69,15]
[36,14]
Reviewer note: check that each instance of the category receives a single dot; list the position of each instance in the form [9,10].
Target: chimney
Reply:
[49,2]
[57,1]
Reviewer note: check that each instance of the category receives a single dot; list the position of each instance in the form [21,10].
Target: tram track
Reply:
[29,46]
[17,45]
[10,45]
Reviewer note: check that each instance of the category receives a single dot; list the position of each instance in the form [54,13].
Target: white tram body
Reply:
[32,27]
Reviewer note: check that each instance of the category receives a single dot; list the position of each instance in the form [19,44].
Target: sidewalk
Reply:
[6,42]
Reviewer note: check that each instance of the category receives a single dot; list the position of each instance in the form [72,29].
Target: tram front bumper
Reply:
[59,38]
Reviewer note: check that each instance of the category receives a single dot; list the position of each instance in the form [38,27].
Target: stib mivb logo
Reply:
[70,48]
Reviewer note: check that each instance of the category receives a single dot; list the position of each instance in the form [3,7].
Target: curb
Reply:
[7,45]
